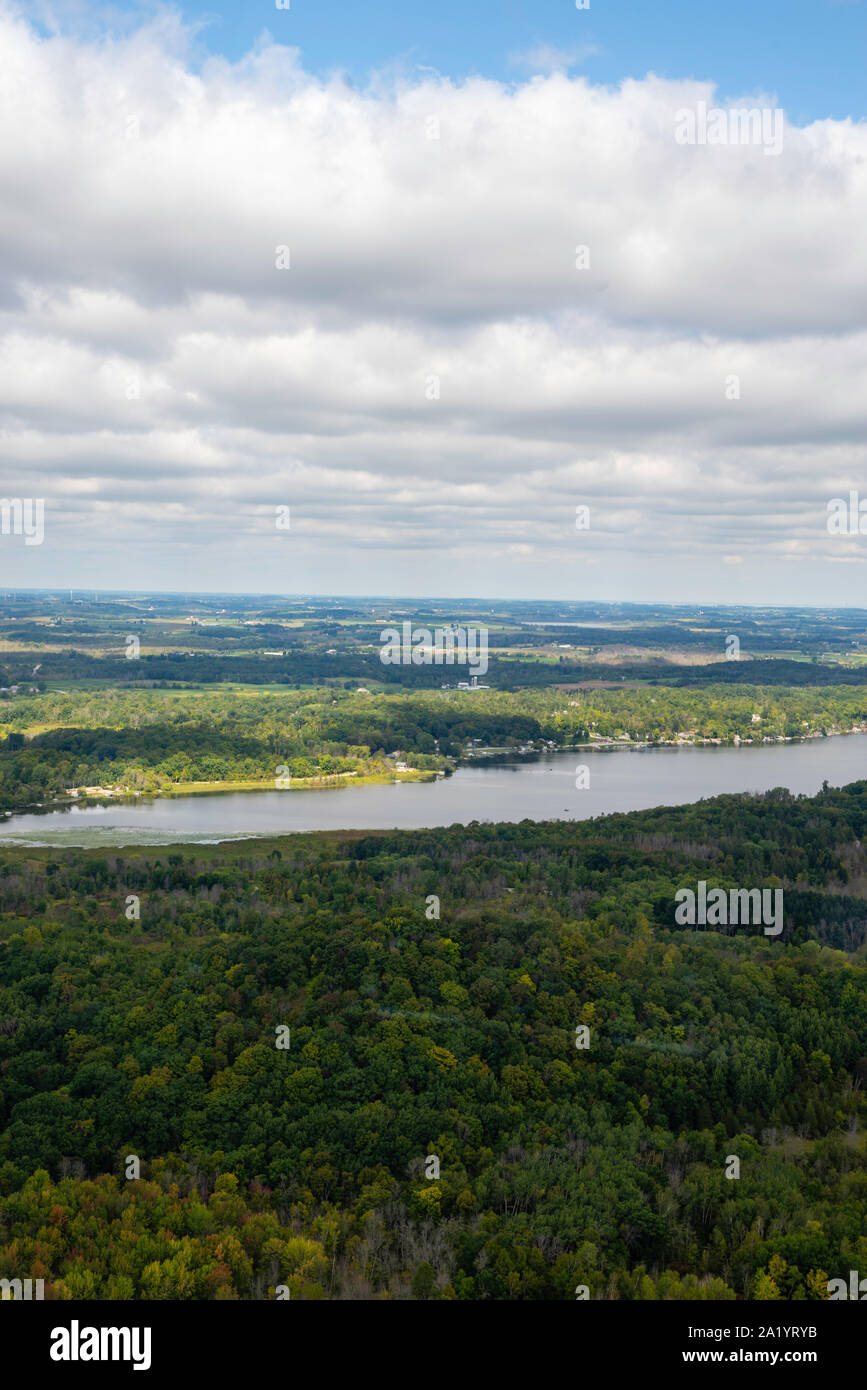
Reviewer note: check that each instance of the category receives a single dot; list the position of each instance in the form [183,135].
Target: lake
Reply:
[620,780]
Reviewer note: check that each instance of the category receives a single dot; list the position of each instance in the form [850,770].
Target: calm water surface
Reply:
[620,780]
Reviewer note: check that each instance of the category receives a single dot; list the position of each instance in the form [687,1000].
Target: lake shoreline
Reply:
[556,785]
[341,780]
[110,796]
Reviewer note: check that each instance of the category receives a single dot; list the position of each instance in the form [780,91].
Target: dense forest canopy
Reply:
[432,984]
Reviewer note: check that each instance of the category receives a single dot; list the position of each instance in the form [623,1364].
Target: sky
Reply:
[399,298]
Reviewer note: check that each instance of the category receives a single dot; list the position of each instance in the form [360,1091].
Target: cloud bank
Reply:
[432,318]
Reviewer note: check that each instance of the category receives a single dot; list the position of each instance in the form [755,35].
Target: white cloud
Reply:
[546,57]
[163,384]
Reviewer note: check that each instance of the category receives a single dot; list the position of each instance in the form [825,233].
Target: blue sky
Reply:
[810,54]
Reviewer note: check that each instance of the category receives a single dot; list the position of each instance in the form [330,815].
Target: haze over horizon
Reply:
[502,601]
